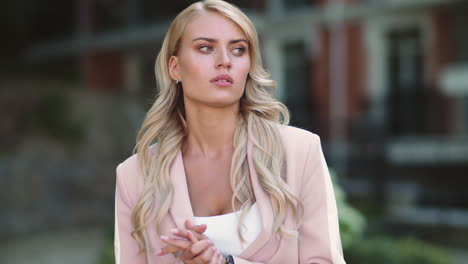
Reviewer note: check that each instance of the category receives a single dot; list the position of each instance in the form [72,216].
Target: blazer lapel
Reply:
[181,207]
[264,204]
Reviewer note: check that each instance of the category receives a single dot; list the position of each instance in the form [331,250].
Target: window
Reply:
[460,38]
[298,85]
[407,96]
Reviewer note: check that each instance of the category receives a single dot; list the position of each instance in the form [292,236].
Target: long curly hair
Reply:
[260,117]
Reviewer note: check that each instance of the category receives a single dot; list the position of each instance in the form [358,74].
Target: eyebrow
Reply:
[212,40]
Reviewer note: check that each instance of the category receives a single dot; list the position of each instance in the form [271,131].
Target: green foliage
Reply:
[352,222]
[107,254]
[386,250]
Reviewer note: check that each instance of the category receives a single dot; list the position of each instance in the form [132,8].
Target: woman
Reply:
[225,182]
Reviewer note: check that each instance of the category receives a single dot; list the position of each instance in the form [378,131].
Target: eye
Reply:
[205,48]
[239,51]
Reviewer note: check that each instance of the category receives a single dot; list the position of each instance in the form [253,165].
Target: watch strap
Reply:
[229,260]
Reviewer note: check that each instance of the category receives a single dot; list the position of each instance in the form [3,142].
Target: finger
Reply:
[217,257]
[221,259]
[183,233]
[192,237]
[168,250]
[181,243]
[197,228]
[206,256]
[200,229]
[214,258]
[197,248]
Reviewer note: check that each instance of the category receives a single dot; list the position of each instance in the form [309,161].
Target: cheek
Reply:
[192,67]
[192,71]
[245,68]
[246,64]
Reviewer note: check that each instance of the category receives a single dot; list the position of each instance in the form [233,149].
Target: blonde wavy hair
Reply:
[259,116]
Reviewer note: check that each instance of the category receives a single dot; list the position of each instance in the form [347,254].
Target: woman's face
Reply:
[212,62]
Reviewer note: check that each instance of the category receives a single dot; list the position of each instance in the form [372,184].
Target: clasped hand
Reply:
[196,248]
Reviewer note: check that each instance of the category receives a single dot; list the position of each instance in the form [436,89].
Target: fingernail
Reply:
[175,230]
[164,237]
[159,253]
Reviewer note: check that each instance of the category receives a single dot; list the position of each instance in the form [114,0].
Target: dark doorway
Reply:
[407,96]
[298,85]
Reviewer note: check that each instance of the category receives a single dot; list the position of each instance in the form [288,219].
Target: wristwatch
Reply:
[229,260]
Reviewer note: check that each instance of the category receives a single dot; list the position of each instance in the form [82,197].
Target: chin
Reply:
[216,99]
[222,103]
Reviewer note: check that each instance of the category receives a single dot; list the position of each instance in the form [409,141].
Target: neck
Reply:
[210,130]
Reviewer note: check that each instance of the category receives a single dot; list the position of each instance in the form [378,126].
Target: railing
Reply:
[417,112]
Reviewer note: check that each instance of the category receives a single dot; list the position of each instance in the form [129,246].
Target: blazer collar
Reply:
[181,208]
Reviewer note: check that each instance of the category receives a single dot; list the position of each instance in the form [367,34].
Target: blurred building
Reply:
[384,82]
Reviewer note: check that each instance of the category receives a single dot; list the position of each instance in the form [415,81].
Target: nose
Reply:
[223,60]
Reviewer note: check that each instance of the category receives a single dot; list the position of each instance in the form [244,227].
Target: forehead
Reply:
[212,25]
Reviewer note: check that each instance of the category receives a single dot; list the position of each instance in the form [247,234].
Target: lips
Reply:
[222,80]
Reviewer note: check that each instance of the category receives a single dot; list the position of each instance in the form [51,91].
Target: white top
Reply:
[222,230]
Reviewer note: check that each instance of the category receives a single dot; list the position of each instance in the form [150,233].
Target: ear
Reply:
[174,70]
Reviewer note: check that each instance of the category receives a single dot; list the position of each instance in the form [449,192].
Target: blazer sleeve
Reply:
[238,260]
[126,248]
[319,236]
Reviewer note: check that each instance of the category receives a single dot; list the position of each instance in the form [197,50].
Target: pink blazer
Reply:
[307,175]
